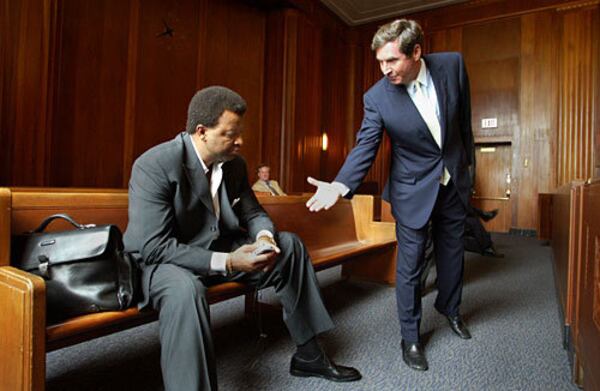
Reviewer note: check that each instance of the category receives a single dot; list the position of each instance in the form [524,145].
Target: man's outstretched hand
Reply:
[326,196]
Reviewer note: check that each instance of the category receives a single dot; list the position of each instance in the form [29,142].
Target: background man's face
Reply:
[264,173]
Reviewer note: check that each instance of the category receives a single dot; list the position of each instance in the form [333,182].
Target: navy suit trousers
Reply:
[448,220]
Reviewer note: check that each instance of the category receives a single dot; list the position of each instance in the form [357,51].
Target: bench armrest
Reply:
[22,330]
[366,228]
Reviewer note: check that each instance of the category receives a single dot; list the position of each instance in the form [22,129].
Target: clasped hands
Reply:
[244,258]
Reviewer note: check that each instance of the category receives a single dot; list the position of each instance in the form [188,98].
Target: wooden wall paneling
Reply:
[336,64]
[273,112]
[493,60]
[447,40]
[24,58]
[88,107]
[535,136]
[234,57]
[166,70]
[309,89]
[576,92]
[7,64]
[289,152]
[355,93]
[131,87]
[596,88]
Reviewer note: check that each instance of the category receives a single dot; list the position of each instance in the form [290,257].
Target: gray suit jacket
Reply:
[171,216]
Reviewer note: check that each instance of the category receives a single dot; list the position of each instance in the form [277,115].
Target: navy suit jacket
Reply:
[417,162]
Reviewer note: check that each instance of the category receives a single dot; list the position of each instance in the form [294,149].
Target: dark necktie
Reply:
[271,188]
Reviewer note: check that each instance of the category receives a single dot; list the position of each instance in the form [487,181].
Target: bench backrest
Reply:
[22,209]
[326,228]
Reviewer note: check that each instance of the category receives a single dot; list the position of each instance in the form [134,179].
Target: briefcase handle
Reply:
[63,216]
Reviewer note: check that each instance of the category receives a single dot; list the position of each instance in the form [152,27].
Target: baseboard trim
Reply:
[523,232]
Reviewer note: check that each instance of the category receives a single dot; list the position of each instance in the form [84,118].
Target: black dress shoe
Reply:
[324,368]
[488,215]
[414,356]
[459,327]
[492,252]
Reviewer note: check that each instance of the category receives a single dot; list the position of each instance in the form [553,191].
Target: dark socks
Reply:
[310,350]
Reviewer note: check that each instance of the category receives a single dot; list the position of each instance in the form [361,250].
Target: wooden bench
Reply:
[345,232]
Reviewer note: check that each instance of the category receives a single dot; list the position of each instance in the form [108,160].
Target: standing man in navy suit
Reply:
[423,103]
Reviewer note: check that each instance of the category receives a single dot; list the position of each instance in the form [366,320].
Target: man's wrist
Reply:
[218,263]
[265,235]
[266,238]
[229,264]
[341,188]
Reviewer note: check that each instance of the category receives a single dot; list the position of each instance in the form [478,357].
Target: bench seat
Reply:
[344,233]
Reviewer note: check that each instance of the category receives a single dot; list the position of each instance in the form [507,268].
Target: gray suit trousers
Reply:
[187,352]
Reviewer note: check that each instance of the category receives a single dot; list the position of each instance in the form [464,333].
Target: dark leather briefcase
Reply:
[85,269]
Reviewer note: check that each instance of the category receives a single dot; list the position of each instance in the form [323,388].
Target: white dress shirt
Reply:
[422,93]
[218,261]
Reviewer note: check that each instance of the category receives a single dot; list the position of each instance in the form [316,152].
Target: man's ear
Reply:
[200,130]
[417,52]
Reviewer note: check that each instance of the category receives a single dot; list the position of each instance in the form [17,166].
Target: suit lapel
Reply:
[228,217]
[404,102]
[195,174]
[441,89]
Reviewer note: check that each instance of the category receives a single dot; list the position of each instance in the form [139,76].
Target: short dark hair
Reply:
[208,104]
[407,32]
[261,165]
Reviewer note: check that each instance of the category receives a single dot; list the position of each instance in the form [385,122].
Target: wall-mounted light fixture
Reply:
[324,141]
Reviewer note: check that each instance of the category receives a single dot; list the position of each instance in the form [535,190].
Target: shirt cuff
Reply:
[343,189]
[264,232]
[218,263]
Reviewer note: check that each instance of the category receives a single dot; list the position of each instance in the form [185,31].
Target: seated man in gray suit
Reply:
[194,220]
[265,184]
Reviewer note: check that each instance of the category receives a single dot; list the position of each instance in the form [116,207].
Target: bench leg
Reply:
[22,330]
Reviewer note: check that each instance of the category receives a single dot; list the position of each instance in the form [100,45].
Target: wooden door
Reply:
[492,184]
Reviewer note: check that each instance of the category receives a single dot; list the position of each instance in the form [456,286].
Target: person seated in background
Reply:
[476,238]
[264,184]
